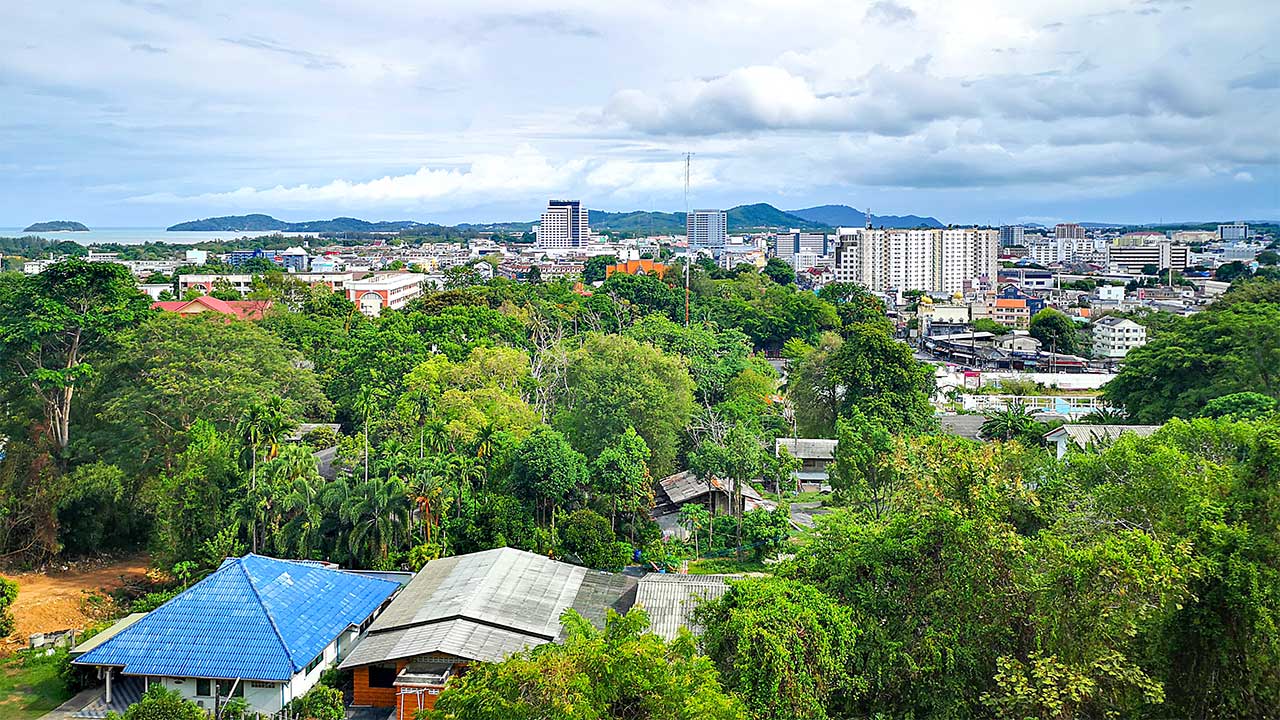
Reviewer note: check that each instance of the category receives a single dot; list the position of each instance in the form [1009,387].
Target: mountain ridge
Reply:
[846,216]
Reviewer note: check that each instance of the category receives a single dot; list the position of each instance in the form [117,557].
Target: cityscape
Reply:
[732,361]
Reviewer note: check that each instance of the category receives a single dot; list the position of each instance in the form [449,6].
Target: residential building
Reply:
[1011,235]
[241,283]
[294,259]
[480,607]
[563,226]
[1114,337]
[382,291]
[1233,232]
[670,599]
[814,454]
[258,628]
[236,258]
[1071,231]
[707,230]
[197,257]
[1186,237]
[953,260]
[239,309]
[674,491]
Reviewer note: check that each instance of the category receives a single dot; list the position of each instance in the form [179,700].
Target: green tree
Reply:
[1241,406]
[621,672]
[612,383]
[56,322]
[864,472]
[779,271]
[784,647]
[1056,332]
[991,326]
[8,596]
[1013,422]
[547,471]
[378,513]
[621,477]
[587,536]
[594,271]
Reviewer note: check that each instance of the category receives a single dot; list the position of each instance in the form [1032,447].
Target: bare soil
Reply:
[53,599]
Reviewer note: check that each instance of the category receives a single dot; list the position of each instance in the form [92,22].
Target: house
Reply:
[675,490]
[207,283]
[815,454]
[258,628]
[1114,337]
[239,309]
[480,607]
[669,600]
[1072,435]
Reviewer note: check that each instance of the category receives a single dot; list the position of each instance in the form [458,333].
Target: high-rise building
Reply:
[955,260]
[1011,235]
[564,225]
[707,230]
[790,246]
[1237,231]
[1069,231]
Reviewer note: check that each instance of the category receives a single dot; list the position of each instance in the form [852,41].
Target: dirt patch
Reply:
[54,599]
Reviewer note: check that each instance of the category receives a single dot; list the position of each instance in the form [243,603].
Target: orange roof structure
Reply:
[1010,303]
[239,309]
[637,267]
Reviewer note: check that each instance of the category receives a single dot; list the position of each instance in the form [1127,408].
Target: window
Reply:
[203,688]
[314,663]
[225,689]
[382,676]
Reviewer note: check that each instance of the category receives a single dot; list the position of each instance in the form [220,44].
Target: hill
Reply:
[742,217]
[57,226]
[845,216]
[764,215]
[266,223]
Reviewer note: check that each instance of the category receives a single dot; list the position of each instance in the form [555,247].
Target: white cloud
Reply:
[1243,177]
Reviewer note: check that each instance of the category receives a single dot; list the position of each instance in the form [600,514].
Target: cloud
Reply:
[310,60]
[1243,177]
[1267,78]
[889,12]
[148,48]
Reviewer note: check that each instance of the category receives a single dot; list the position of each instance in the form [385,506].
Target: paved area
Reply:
[67,710]
[802,513]
[368,713]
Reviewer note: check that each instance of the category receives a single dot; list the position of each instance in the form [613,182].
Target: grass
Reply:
[30,685]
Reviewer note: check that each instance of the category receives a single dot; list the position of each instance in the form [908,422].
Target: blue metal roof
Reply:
[255,618]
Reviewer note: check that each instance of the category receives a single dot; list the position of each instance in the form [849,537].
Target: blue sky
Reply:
[149,112]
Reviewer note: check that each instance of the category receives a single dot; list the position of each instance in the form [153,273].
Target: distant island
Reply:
[57,226]
[266,223]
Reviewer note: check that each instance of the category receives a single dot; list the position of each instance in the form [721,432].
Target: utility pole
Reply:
[688,250]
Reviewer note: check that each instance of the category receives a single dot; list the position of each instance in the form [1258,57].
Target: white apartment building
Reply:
[1236,231]
[1129,254]
[798,248]
[950,261]
[1114,337]
[241,283]
[393,291]
[707,230]
[563,226]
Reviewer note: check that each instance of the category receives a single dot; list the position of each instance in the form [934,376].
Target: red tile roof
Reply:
[239,309]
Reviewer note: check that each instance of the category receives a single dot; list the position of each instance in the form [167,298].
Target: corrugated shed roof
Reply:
[670,600]
[685,486]
[807,448]
[485,606]
[255,618]
[1083,435]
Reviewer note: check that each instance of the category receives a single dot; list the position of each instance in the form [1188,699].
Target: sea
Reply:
[137,236]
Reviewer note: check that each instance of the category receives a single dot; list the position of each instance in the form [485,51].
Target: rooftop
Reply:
[670,600]
[255,618]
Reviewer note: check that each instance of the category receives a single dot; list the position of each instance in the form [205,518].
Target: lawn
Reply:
[30,685]
[726,565]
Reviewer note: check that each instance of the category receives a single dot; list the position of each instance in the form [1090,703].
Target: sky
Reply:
[139,113]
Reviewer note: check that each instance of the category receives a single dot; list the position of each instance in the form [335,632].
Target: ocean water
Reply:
[135,236]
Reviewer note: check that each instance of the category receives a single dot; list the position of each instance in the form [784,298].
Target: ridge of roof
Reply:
[266,611]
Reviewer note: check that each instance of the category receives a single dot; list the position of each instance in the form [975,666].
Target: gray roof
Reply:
[966,426]
[1082,434]
[485,606]
[685,486]
[810,448]
[670,600]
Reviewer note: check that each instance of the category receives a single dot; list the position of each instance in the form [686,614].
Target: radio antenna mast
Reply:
[688,249]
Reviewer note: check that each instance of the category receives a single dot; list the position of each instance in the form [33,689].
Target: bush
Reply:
[587,536]
[8,594]
[765,531]
[320,703]
[161,704]
[321,438]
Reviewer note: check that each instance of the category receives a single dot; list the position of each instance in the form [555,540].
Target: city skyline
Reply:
[156,113]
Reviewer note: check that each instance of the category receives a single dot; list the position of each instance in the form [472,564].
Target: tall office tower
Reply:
[707,230]
[1011,235]
[1236,231]
[1068,231]
[564,225]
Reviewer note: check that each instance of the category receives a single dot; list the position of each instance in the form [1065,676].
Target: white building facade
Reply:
[563,226]
[707,230]
[1114,337]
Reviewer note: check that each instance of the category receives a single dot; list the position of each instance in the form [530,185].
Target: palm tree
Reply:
[426,489]
[366,402]
[421,403]
[299,487]
[485,440]
[378,517]
[1008,423]
[261,427]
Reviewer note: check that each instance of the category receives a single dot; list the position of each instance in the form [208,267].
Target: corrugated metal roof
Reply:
[685,486]
[485,606]
[670,600]
[1082,434]
[807,448]
[255,618]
